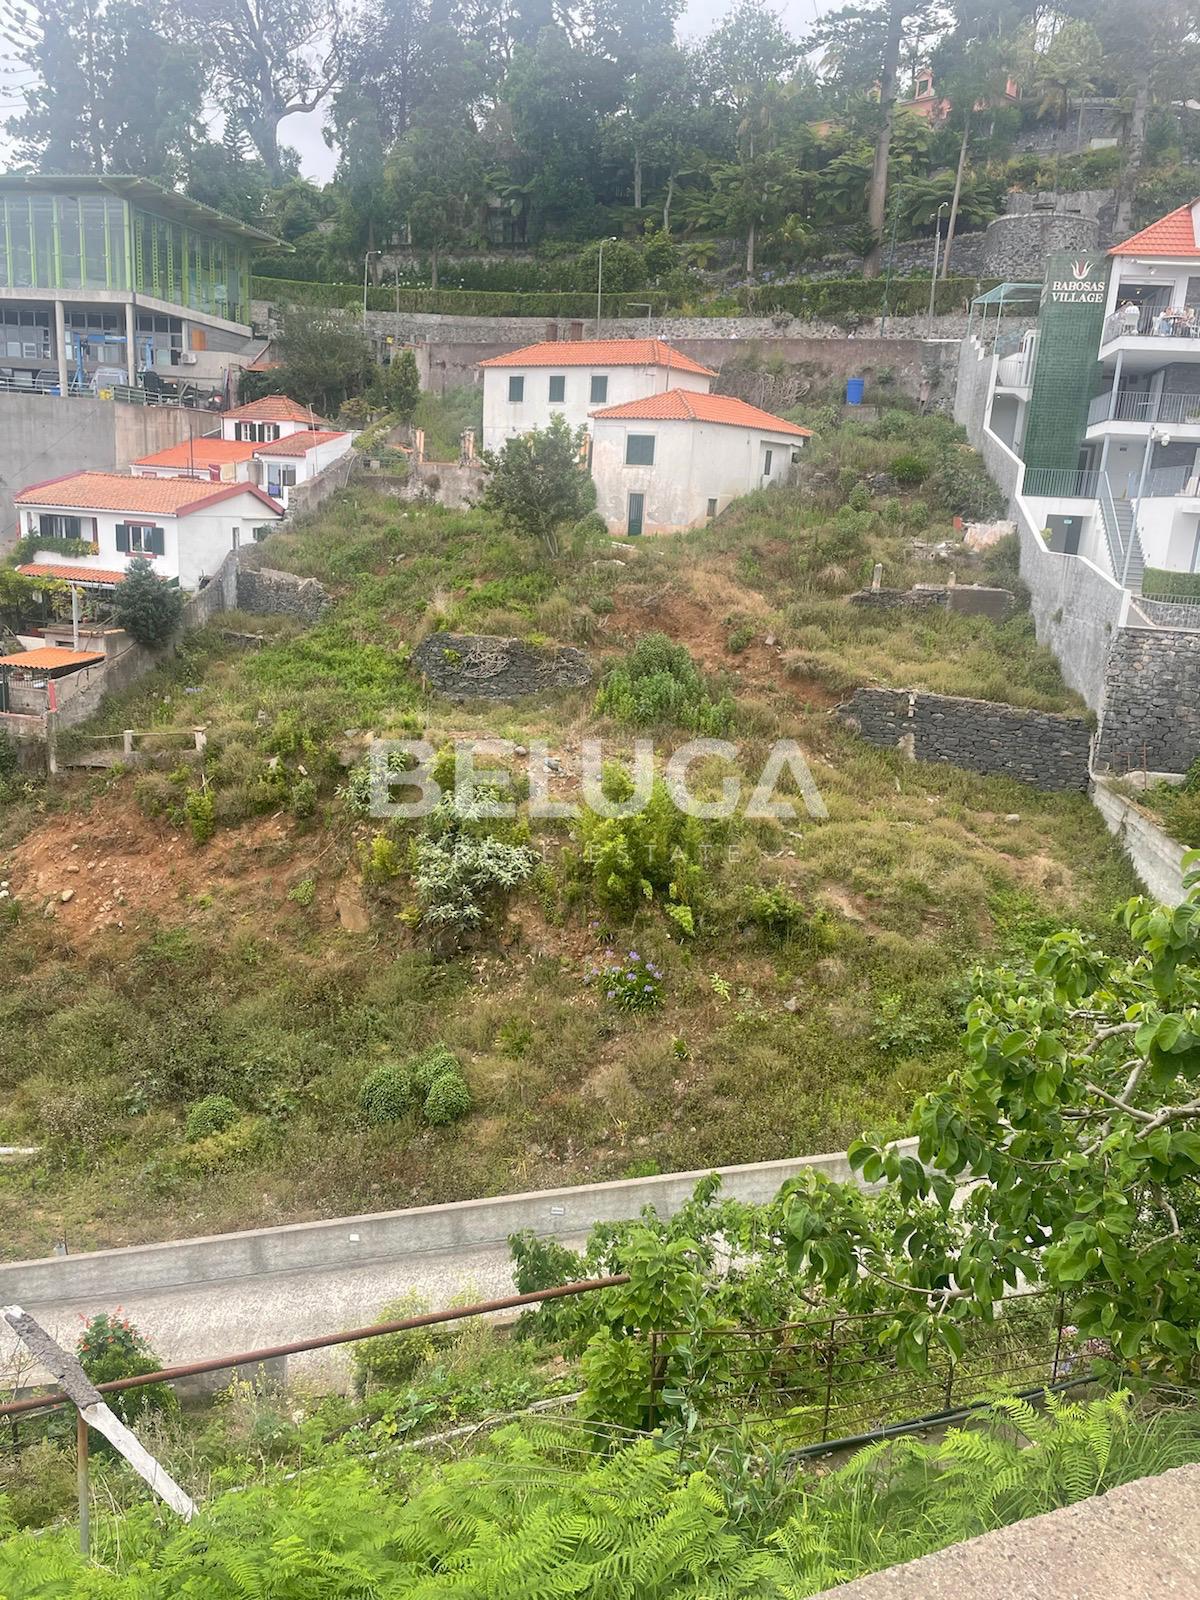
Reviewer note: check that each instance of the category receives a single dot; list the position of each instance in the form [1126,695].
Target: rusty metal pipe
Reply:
[249,1358]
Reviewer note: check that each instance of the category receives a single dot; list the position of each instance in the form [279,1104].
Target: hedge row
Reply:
[828,298]
[1159,584]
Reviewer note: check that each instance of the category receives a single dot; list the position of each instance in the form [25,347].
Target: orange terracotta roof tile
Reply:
[70,574]
[1172,235]
[599,353]
[116,491]
[297,444]
[206,452]
[49,658]
[274,408]
[683,405]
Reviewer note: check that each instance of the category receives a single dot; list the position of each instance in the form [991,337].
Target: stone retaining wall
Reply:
[469,666]
[966,599]
[1151,701]
[1043,749]
[269,593]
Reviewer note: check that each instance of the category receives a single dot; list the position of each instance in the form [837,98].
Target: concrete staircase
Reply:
[1124,546]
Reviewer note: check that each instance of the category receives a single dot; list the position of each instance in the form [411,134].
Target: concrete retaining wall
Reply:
[42,436]
[386,1235]
[304,498]
[1157,858]
[268,592]
[1041,748]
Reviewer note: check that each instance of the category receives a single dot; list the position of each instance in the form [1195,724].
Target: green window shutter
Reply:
[157,541]
[123,537]
[639,449]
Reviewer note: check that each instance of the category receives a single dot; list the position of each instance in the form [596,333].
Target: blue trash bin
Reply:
[854,391]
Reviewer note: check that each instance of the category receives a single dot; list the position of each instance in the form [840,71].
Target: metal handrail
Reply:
[1152,323]
[1140,406]
[1061,482]
[132,394]
[1112,529]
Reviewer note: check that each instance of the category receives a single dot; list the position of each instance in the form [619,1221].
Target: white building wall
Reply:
[307,465]
[694,462]
[231,472]
[507,419]
[194,545]
[286,429]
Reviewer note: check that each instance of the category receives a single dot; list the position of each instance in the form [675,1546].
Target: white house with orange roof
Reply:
[184,528]
[297,457]
[573,378]
[273,417]
[674,460]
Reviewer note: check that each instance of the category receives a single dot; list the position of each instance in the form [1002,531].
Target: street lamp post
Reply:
[366,264]
[1155,436]
[936,216]
[600,281]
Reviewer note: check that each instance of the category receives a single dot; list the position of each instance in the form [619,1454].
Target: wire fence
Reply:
[838,1377]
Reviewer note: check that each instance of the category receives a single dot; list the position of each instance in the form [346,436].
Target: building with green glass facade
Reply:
[117,271]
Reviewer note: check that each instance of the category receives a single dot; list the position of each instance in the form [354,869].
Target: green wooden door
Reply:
[637,506]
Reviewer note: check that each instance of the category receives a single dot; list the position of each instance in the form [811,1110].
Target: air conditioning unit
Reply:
[187,358]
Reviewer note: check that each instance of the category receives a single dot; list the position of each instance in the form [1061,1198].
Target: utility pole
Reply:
[937,250]
[600,283]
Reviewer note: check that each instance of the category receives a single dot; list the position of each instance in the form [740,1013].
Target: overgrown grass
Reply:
[821,987]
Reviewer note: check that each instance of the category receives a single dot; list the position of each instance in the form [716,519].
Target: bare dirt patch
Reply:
[110,867]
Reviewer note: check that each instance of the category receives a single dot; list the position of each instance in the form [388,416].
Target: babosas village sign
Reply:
[1080,288]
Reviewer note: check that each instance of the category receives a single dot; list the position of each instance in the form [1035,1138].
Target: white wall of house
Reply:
[263,432]
[507,419]
[194,545]
[699,467]
[1170,277]
[308,465]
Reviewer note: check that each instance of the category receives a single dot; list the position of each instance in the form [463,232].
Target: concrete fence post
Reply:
[201,738]
[877,577]
[127,742]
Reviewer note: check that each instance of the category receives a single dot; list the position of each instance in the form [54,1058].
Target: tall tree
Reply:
[113,88]
[270,58]
[436,175]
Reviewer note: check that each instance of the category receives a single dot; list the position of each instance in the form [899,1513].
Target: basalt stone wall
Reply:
[969,599]
[1040,748]
[1151,712]
[466,666]
[268,592]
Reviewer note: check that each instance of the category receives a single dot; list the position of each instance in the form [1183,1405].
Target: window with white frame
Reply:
[141,539]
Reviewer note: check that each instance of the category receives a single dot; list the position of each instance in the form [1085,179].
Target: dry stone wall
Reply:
[1040,748]
[1151,712]
[469,666]
[268,592]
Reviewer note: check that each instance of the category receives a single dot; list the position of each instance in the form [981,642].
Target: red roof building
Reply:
[685,405]
[600,353]
[1177,235]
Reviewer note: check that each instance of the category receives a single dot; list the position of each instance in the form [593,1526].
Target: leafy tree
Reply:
[109,1348]
[270,58]
[113,88]
[146,606]
[1065,68]
[401,385]
[323,358]
[1077,1121]
[437,178]
[539,482]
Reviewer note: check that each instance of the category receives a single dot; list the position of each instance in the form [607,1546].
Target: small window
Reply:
[712,508]
[140,539]
[558,390]
[767,455]
[599,392]
[516,389]
[639,450]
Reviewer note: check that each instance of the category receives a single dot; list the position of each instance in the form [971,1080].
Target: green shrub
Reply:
[380,859]
[741,638]
[659,683]
[109,1348]
[630,860]
[777,914]
[394,1359]
[147,607]
[463,867]
[448,1100]
[303,893]
[242,1142]
[8,759]
[303,797]
[213,1114]
[200,812]
[387,1094]
[1160,584]
[909,470]
[859,497]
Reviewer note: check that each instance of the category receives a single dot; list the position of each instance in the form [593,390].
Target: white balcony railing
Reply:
[1138,406]
[1144,322]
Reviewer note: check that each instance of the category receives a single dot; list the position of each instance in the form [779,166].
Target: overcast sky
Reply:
[317,160]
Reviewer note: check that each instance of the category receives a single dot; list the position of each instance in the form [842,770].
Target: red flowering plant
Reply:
[109,1348]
